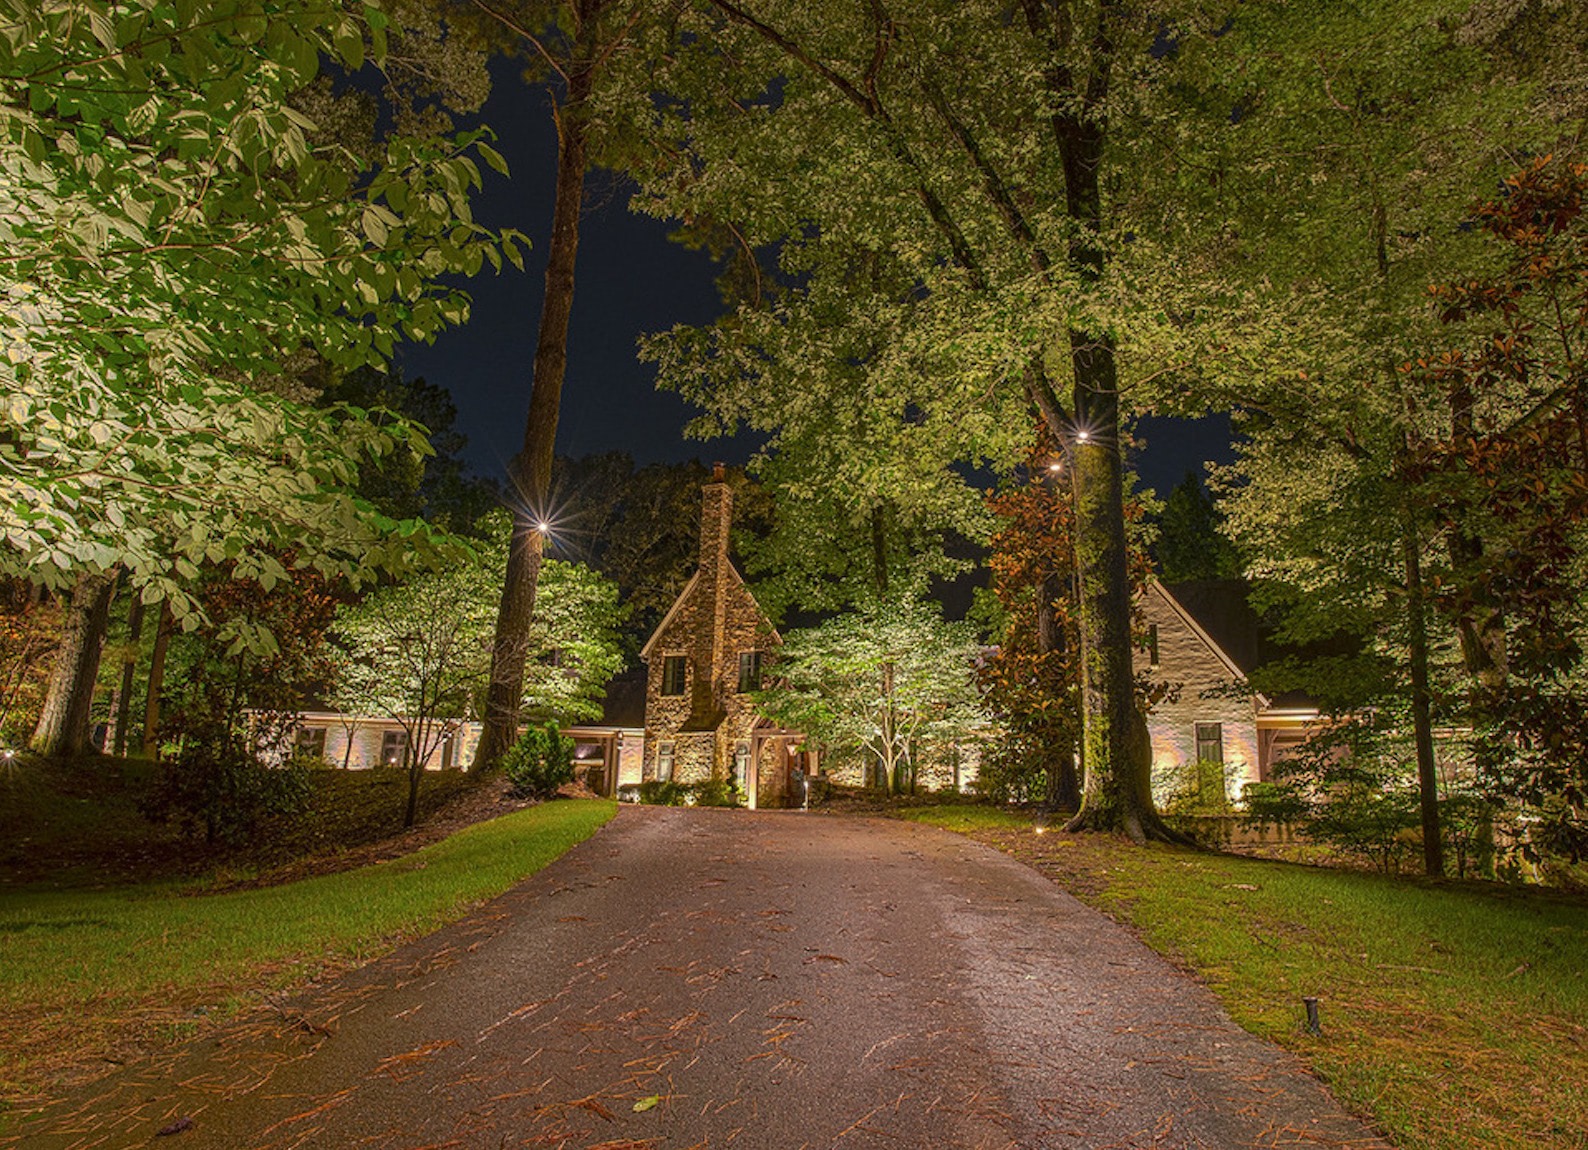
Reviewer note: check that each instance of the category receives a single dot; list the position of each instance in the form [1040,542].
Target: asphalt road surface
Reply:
[713,979]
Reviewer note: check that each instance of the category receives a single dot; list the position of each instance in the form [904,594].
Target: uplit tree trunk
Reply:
[415,769]
[62,729]
[531,471]
[1116,794]
[151,705]
[1117,789]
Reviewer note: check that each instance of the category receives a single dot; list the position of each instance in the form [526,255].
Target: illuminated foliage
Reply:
[179,238]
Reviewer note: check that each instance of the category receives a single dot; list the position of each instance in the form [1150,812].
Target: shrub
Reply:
[665,793]
[662,793]
[221,785]
[540,762]
[716,793]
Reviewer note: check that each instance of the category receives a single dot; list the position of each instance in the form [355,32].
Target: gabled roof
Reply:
[667,619]
[1229,626]
[1220,611]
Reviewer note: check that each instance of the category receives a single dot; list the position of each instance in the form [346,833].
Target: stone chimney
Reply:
[716,516]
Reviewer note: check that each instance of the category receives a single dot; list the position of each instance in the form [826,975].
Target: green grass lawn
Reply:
[1454,1015]
[86,969]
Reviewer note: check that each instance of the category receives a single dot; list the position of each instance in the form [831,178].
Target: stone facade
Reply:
[699,725]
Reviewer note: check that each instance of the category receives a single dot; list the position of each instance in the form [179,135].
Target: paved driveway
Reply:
[704,979]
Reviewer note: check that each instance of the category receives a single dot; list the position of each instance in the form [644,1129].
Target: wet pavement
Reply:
[692,979]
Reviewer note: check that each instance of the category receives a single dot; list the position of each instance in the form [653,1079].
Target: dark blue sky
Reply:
[630,280]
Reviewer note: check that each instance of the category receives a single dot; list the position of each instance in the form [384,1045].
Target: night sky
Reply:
[630,280]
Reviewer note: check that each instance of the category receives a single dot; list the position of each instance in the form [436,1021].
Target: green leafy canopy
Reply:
[172,230]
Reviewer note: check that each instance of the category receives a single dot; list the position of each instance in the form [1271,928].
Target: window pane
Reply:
[749,671]
[673,675]
[1210,742]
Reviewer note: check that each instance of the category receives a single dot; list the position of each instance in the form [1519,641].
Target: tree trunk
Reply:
[62,730]
[531,471]
[1063,791]
[151,706]
[1116,794]
[415,768]
[129,667]
[1422,717]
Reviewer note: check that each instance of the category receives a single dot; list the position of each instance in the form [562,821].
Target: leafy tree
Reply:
[243,677]
[880,683]
[1348,195]
[1057,204]
[1032,683]
[1191,543]
[435,487]
[417,652]
[1506,486]
[165,249]
[179,234]
[576,644]
[960,252]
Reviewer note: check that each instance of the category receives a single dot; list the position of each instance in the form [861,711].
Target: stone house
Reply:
[701,663]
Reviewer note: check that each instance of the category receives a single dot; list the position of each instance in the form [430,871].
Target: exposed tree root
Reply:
[1140,827]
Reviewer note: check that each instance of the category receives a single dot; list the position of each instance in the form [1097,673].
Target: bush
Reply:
[666,793]
[540,762]
[715,793]
[1198,789]
[221,785]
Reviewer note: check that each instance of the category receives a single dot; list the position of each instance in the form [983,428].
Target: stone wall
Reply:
[714,621]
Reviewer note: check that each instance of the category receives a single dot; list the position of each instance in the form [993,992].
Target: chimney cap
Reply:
[719,473]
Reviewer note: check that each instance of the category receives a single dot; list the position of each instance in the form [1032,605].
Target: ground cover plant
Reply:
[92,970]
[1454,1014]
[86,821]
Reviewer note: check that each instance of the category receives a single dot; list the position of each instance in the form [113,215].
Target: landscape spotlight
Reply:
[543,527]
[1082,435]
[1056,466]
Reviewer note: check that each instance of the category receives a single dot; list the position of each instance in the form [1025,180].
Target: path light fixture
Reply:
[1313,1025]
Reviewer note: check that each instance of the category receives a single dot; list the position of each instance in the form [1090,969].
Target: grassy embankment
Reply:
[96,969]
[1454,1014]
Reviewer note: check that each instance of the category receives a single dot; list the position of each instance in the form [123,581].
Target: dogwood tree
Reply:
[879,682]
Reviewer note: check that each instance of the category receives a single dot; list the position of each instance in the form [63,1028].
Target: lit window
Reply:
[674,670]
[664,762]
[749,671]
[392,746]
[1210,742]
[1152,646]
[741,764]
